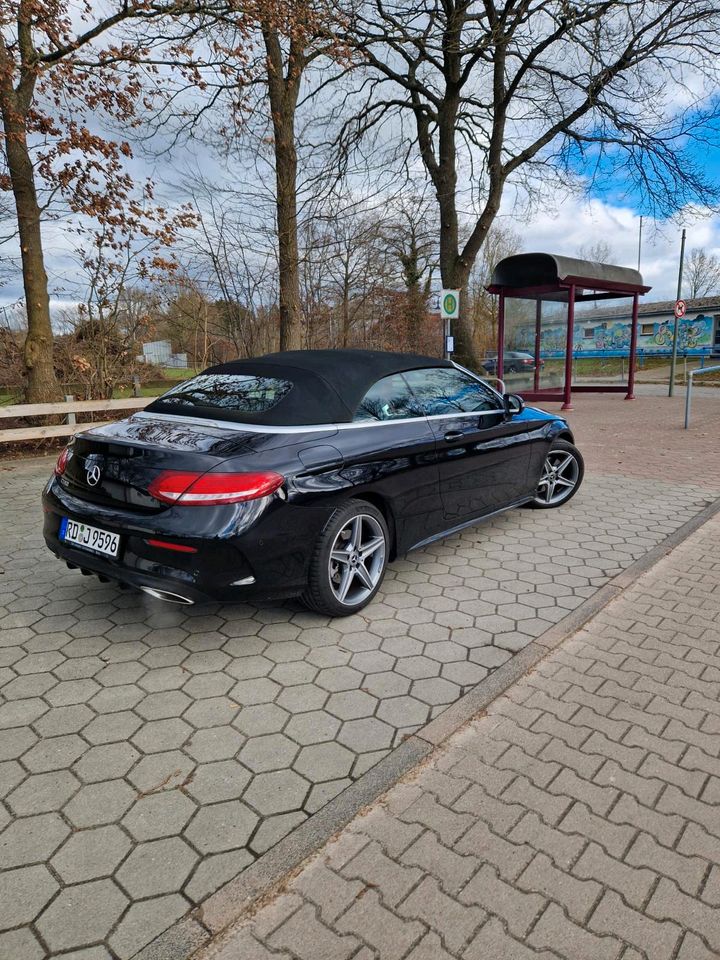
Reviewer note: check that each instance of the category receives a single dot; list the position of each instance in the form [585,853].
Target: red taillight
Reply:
[166,545]
[62,462]
[206,489]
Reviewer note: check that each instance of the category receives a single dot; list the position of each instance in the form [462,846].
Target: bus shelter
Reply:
[545,277]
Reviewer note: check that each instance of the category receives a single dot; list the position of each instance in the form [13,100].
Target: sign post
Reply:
[449,310]
[680,308]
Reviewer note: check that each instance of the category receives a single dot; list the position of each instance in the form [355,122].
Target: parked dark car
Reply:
[299,474]
[514,361]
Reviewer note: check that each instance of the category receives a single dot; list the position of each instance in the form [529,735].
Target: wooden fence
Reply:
[68,410]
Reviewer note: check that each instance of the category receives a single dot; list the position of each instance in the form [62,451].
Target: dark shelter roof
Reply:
[546,269]
[328,385]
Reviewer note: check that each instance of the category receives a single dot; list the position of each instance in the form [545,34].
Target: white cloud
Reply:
[577,222]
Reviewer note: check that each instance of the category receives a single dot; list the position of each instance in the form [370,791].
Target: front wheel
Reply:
[349,560]
[561,476]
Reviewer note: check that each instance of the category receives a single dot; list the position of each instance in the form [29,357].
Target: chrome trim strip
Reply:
[312,427]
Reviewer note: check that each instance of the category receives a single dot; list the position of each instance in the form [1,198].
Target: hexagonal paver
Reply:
[161,771]
[313,727]
[270,752]
[351,704]
[273,829]
[222,826]
[293,673]
[366,734]
[82,914]
[99,803]
[31,839]
[214,743]
[324,761]
[372,661]
[211,712]
[106,762]
[276,792]
[417,667]
[43,792]
[388,684]
[434,691]
[159,735]
[222,780]
[163,705]
[206,661]
[255,691]
[55,753]
[23,894]
[112,728]
[143,922]
[339,678]
[62,720]
[158,815]
[156,867]
[22,943]
[261,718]
[91,854]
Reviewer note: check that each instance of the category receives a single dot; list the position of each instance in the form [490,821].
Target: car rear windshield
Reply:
[239,393]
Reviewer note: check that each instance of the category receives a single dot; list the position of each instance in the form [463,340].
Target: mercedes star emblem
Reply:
[92,474]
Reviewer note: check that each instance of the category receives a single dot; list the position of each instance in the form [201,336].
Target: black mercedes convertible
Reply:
[299,474]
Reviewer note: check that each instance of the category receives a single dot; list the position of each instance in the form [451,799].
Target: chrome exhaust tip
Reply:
[166,596]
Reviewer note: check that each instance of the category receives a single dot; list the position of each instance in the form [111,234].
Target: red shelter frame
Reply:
[547,277]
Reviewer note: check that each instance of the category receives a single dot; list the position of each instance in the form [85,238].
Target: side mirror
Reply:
[513,404]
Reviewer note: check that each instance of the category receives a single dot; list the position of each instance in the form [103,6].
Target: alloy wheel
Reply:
[560,476]
[357,559]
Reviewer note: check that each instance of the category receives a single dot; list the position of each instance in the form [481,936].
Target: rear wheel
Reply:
[349,560]
[561,476]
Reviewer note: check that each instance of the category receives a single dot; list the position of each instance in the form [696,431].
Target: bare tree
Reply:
[410,232]
[702,273]
[518,92]
[481,307]
[56,79]
[598,252]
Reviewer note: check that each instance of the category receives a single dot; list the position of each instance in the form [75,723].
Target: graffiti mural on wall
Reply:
[612,338]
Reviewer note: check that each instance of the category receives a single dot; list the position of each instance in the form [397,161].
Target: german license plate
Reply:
[89,538]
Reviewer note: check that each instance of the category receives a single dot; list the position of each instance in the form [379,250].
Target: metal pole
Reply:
[538,321]
[567,395]
[630,395]
[640,241]
[688,395]
[673,362]
[501,336]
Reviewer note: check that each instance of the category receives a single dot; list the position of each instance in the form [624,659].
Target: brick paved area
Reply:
[645,437]
[148,754]
[580,818]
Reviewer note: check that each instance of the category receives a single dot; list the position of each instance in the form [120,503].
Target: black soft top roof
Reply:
[328,385]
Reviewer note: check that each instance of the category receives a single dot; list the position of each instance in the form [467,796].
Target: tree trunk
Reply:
[283,93]
[41,382]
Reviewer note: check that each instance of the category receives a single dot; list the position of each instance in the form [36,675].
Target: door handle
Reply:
[453,435]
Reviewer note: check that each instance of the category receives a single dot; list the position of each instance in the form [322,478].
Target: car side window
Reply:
[448,390]
[388,399]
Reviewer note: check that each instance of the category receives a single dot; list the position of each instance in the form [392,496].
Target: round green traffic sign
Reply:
[450,303]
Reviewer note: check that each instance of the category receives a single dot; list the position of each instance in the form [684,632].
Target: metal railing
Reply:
[688,391]
[66,410]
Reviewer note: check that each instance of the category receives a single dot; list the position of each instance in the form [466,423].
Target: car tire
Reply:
[562,474]
[339,587]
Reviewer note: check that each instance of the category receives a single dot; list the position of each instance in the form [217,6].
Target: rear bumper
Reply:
[250,543]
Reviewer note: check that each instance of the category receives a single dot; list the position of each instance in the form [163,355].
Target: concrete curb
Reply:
[227,905]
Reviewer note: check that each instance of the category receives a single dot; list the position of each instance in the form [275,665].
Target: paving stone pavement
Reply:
[148,754]
[578,819]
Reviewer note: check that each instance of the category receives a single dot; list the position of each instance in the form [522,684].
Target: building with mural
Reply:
[605,332]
